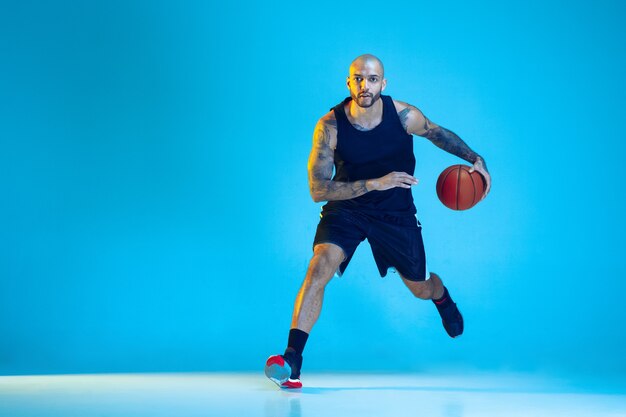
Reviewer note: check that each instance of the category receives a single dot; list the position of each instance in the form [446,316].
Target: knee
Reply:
[434,277]
[426,290]
[328,255]
[324,263]
[422,290]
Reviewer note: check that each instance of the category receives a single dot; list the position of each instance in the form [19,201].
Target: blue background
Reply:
[155,209]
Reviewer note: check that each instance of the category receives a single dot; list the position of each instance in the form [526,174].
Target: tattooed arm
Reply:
[415,123]
[321,162]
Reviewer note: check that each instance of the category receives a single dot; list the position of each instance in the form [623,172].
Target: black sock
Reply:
[297,340]
[444,301]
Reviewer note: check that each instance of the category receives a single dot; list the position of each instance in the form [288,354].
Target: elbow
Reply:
[316,195]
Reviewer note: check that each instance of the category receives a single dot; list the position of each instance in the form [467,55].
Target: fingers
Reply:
[404,180]
[487,186]
[398,179]
[407,185]
[406,177]
[486,177]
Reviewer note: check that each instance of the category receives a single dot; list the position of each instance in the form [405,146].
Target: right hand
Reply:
[392,180]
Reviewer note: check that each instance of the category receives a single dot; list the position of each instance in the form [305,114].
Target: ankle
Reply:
[444,300]
[297,340]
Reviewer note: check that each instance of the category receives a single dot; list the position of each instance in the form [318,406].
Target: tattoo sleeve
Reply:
[321,164]
[450,142]
[404,115]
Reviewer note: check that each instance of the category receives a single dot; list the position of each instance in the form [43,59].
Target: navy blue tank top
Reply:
[363,155]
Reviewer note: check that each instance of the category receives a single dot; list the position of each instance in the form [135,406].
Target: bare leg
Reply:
[430,289]
[326,259]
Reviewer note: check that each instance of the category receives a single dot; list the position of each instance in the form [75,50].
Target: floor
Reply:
[336,395]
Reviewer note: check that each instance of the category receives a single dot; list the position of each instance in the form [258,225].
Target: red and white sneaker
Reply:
[284,370]
[292,383]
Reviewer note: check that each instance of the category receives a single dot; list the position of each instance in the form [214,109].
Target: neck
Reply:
[371,113]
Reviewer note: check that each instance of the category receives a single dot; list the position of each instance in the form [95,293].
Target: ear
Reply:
[348,82]
[384,84]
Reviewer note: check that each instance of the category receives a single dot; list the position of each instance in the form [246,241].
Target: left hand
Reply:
[480,166]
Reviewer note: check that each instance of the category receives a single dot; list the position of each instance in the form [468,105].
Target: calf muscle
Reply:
[322,267]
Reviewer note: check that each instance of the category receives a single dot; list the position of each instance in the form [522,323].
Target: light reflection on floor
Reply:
[251,395]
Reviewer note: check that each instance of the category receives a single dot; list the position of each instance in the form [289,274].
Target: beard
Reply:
[365,101]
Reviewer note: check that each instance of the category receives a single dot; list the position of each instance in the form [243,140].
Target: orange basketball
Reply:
[458,189]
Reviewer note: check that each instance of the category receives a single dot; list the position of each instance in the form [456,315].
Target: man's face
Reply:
[366,82]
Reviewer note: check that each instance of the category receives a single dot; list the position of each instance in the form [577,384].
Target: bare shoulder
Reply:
[412,118]
[329,120]
[405,108]
[326,130]
[400,105]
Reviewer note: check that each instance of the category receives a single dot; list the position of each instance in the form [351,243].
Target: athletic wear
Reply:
[363,155]
[386,218]
[284,370]
[444,300]
[396,241]
[297,340]
[450,315]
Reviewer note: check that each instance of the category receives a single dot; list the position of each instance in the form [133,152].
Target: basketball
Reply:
[458,189]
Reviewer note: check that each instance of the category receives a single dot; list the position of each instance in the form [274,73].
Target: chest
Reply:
[373,146]
[365,125]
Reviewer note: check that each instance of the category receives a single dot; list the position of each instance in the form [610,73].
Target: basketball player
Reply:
[367,138]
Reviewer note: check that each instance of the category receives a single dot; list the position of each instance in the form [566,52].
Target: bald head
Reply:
[366,80]
[368,60]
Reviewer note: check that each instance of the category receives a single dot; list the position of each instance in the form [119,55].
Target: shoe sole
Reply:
[277,370]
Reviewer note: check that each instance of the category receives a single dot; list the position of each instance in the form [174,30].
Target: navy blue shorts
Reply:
[396,241]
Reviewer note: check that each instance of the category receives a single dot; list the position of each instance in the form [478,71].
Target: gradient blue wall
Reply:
[155,211]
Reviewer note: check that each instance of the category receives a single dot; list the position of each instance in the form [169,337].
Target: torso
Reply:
[359,125]
[371,148]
